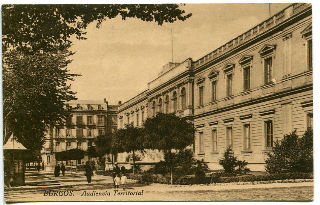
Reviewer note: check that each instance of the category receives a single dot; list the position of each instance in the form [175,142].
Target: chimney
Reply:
[119,102]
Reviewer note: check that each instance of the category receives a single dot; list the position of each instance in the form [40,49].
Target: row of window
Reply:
[90,121]
[268,66]
[268,134]
[230,137]
[79,132]
[159,106]
[79,144]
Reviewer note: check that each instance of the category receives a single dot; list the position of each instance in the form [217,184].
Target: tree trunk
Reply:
[171,167]
[134,161]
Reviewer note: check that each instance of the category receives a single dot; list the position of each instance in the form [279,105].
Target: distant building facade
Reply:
[246,94]
[87,120]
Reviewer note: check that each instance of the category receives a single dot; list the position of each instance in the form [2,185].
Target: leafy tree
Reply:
[92,152]
[168,132]
[291,154]
[104,146]
[128,140]
[36,52]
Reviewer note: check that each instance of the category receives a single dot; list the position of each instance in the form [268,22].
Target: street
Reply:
[74,187]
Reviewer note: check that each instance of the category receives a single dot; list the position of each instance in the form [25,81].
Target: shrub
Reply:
[229,163]
[291,154]
[200,172]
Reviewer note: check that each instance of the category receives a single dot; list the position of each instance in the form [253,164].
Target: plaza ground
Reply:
[74,187]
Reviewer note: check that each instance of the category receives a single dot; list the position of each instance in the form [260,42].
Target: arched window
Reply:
[160,105]
[166,106]
[153,108]
[183,98]
[174,101]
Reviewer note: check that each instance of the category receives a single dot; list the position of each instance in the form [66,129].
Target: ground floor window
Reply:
[229,137]
[246,137]
[268,125]
[310,120]
[214,140]
[201,145]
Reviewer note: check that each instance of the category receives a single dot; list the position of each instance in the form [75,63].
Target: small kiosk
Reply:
[14,165]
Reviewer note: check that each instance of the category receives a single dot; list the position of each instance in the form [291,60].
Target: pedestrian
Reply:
[89,171]
[57,170]
[117,181]
[63,169]
[42,165]
[38,167]
[123,180]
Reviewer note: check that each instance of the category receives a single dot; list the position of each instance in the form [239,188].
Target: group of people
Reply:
[119,176]
[58,168]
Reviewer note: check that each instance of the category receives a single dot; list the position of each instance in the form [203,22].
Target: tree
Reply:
[291,154]
[168,133]
[104,146]
[130,139]
[35,46]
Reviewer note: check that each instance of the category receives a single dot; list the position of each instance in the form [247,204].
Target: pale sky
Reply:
[119,59]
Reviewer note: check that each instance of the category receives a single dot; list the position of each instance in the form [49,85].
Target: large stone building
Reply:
[245,94]
[88,119]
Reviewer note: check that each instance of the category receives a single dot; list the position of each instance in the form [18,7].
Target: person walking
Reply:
[89,171]
[63,169]
[57,170]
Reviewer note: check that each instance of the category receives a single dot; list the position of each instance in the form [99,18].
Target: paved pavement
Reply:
[45,187]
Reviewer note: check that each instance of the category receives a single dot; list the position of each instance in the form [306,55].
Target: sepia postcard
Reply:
[157,102]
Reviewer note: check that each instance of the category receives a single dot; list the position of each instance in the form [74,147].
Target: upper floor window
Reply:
[89,120]
[229,85]
[201,89]
[68,132]
[174,101]
[89,134]
[121,122]
[160,105]
[307,34]
[268,70]
[166,106]
[142,116]
[183,98]
[79,132]
[214,90]
[101,132]
[100,119]
[137,119]
[246,78]
[267,53]
[79,120]
[154,108]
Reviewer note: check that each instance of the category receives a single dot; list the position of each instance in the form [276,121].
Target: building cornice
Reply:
[257,100]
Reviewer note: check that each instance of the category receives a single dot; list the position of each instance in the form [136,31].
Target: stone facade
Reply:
[88,119]
[246,94]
